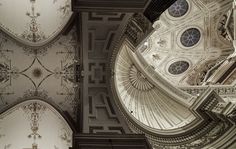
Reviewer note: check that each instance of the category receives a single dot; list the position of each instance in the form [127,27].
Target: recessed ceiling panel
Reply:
[34,22]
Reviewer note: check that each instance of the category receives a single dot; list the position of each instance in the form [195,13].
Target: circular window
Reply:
[190,37]
[178,67]
[179,8]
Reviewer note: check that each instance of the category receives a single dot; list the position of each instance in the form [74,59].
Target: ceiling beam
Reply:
[110,5]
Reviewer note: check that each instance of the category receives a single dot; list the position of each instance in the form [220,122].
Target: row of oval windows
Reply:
[189,37]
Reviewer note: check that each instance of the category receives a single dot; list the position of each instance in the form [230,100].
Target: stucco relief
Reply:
[143,99]
[196,37]
[26,126]
[202,72]
[222,28]
[38,22]
[45,72]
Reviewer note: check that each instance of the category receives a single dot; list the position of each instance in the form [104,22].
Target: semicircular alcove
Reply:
[147,102]
[34,124]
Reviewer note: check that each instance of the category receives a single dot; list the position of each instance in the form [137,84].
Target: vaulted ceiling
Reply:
[103,75]
[47,73]
[32,22]
[189,40]
[34,118]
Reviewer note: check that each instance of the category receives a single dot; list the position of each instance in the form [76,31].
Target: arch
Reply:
[26,124]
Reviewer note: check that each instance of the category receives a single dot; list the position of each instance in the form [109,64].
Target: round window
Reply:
[190,37]
[179,8]
[178,67]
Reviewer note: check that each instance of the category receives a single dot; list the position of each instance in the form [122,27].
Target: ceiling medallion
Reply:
[37,73]
[138,80]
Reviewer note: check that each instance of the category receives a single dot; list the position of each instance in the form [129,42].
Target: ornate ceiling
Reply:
[37,64]
[47,72]
[143,86]
[144,99]
[189,46]
[179,51]
[34,118]
[34,22]
[189,40]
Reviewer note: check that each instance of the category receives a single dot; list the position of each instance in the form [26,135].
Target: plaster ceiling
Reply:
[34,22]
[179,52]
[189,40]
[26,126]
[145,100]
[47,73]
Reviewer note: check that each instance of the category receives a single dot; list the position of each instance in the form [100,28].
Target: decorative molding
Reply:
[137,29]
[207,132]
[138,80]
[222,90]
[32,29]
[34,118]
[142,99]
[38,69]
[202,72]
[33,33]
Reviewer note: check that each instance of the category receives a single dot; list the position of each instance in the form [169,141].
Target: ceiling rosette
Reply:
[34,22]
